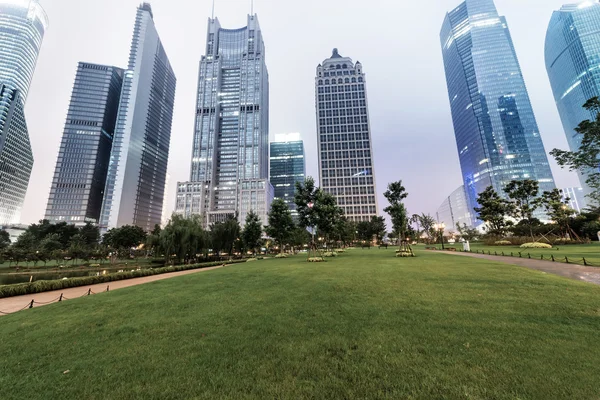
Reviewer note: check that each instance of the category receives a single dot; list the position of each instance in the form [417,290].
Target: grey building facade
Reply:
[23,24]
[287,166]
[80,176]
[230,150]
[137,171]
[497,136]
[572,53]
[346,166]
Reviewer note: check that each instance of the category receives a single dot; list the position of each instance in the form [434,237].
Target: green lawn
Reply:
[364,326]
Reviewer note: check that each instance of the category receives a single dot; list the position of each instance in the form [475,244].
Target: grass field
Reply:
[363,326]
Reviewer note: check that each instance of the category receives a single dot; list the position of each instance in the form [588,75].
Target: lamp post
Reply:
[441,227]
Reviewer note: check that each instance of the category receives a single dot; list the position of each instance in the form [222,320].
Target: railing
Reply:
[564,260]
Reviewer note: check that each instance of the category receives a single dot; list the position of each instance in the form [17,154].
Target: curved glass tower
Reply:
[22,27]
[573,65]
[496,132]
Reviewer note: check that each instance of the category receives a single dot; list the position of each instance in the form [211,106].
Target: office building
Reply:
[288,166]
[80,175]
[346,167]
[455,210]
[576,198]
[230,151]
[573,64]
[497,136]
[137,172]
[22,27]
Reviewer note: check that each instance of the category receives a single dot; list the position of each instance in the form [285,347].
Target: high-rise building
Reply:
[80,175]
[230,152]
[22,27]
[455,210]
[575,197]
[346,167]
[288,166]
[573,65]
[496,132]
[137,172]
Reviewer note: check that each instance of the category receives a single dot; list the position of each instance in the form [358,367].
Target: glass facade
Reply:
[496,131]
[137,171]
[455,210]
[22,27]
[80,175]
[576,197]
[231,135]
[346,168]
[288,166]
[16,157]
[573,65]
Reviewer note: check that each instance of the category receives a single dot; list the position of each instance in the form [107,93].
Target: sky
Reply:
[397,41]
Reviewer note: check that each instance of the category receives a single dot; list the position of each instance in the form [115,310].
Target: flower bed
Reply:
[536,245]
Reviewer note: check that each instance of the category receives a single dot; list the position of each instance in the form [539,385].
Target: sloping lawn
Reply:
[363,326]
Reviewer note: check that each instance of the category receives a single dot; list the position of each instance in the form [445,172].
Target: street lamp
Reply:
[441,227]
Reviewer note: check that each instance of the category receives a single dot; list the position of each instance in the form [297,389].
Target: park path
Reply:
[13,304]
[577,272]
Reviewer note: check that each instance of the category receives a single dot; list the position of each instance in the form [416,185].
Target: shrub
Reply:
[330,254]
[251,260]
[503,243]
[316,259]
[45,286]
[281,255]
[404,253]
[536,245]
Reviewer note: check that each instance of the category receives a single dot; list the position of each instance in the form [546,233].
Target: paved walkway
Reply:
[17,303]
[577,272]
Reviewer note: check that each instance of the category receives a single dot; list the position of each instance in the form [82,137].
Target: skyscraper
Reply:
[455,210]
[80,175]
[496,132]
[573,65]
[22,27]
[137,171]
[346,167]
[288,166]
[230,151]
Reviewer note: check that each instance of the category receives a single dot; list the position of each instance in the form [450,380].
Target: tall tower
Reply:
[80,175]
[573,65]
[230,151]
[137,171]
[287,166]
[496,132]
[22,27]
[346,167]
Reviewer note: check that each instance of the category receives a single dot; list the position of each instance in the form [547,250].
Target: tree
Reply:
[586,159]
[428,226]
[395,195]
[4,240]
[468,234]
[558,210]
[90,233]
[415,219]
[77,249]
[183,238]
[224,235]
[153,242]
[281,223]
[252,232]
[124,238]
[525,201]
[364,231]
[378,228]
[493,211]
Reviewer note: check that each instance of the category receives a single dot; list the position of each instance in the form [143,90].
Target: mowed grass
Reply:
[363,326]
[575,253]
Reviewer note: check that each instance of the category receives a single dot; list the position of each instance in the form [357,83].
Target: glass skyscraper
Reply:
[137,171]
[573,65]
[346,167]
[496,132]
[288,166]
[80,175]
[455,210]
[230,151]
[22,27]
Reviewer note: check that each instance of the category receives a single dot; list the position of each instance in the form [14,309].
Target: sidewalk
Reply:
[572,271]
[13,304]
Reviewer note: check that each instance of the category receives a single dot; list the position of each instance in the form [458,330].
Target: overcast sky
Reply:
[397,41]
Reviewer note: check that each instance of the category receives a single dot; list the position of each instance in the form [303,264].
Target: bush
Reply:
[404,254]
[21,289]
[536,245]
[330,254]
[503,243]
[316,259]
[251,260]
[281,255]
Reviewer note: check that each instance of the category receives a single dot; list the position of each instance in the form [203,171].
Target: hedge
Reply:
[21,289]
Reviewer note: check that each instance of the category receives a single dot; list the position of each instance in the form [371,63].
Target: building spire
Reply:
[213,10]
[251,7]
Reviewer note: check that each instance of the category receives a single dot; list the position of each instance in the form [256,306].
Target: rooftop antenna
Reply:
[213,9]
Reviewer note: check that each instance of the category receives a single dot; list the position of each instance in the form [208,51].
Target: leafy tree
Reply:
[124,238]
[78,247]
[586,159]
[558,211]
[525,201]
[153,241]
[493,211]
[395,195]
[252,232]
[469,234]
[224,235]
[299,237]
[281,223]
[378,228]
[365,232]
[90,233]
[183,238]
[415,219]
[344,230]
[428,227]
[4,240]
